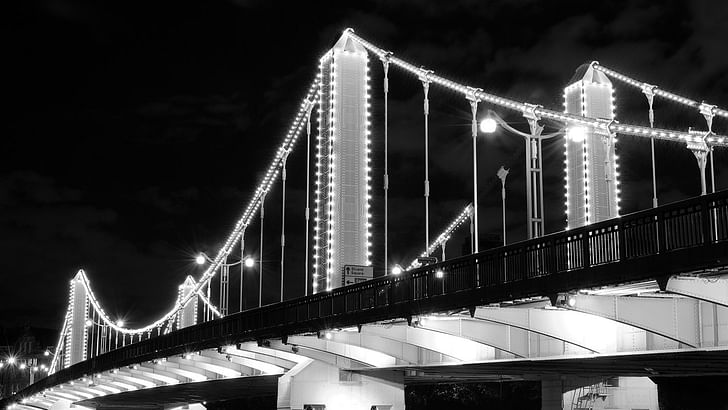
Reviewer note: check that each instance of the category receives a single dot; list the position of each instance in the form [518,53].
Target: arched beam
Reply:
[247,361]
[342,362]
[142,373]
[573,328]
[712,289]
[404,352]
[674,318]
[360,354]
[190,372]
[458,348]
[221,369]
[499,336]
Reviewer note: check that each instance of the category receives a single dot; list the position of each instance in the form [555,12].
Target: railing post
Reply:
[621,237]
[585,249]
[706,226]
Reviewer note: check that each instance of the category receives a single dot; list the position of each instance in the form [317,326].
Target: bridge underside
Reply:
[702,362]
[249,388]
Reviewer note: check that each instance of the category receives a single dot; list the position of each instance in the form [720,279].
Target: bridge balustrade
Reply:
[681,237]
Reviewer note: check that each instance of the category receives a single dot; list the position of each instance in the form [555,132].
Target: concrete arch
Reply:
[366,356]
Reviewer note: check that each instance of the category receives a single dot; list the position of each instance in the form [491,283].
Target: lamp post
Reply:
[474,133]
[534,167]
[502,174]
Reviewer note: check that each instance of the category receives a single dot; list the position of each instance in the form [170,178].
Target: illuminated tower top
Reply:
[591,171]
[341,223]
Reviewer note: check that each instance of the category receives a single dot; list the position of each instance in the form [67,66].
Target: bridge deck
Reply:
[686,236]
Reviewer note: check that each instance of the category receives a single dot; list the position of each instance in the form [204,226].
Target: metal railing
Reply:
[685,236]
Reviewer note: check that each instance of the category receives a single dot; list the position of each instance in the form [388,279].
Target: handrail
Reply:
[684,236]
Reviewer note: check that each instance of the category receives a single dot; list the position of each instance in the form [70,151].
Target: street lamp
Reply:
[488,125]
[249,262]
[397,269]
[534,163]
[502,174]
[200,259]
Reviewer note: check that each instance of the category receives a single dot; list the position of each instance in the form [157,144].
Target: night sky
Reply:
[135,132]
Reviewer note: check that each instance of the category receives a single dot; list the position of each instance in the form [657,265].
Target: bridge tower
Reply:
[187,316]
[341,223]
[77,331]
[591,168]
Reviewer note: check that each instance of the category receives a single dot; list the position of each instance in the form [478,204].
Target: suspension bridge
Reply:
[612,297]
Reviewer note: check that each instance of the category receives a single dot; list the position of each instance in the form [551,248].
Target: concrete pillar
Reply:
[77,335]
[318,383]
[552,394]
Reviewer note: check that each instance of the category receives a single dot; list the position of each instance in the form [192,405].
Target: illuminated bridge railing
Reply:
[686,236]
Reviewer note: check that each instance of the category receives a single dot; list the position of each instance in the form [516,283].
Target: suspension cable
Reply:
[470,92]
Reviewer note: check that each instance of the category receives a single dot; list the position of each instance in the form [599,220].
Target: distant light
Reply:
[249,262]
[46,353]
[200,259]
[396,270]
[2,364]
[571,301]
[576,134]
[488,125]
[22,366]
[439,274]
[89,323]
[120,323]
[35,368]
[11,360]
[188,356]
[328,335]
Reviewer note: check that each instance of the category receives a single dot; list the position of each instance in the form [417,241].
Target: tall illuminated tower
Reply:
[341,222]
[187,316]
[77,336]
[591,165]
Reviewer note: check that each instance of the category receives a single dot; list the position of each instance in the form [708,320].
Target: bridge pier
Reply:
[319,383]
[552,395]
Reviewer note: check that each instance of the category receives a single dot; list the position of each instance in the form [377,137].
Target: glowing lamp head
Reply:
[439,274]
[571,301]
[328,335]
[396,270]
[11,360]
[576,134]
[200,259]
[249,262]
[89,323]
[488,125]
[120,323]
[23,366]
[46,353]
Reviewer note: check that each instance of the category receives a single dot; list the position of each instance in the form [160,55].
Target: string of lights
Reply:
[264,186]
[445,235]
[561,117]
[715,110]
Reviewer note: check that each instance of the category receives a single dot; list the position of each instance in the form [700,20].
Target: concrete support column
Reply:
[319,383]
[552,395]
